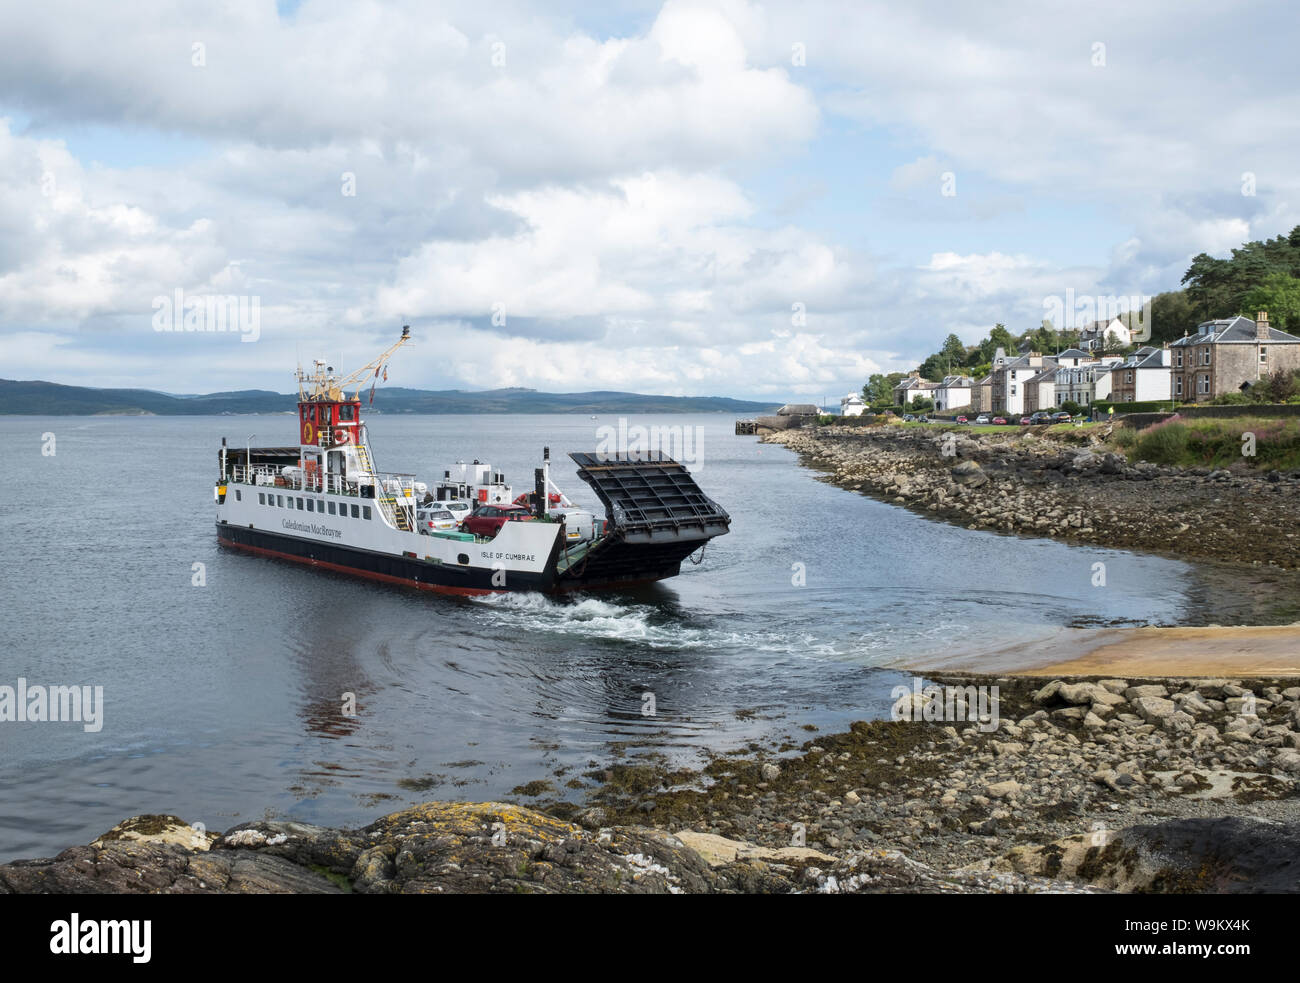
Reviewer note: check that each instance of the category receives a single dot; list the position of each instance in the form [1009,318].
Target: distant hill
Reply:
[52,399]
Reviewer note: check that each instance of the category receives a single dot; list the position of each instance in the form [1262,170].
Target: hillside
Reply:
[51,399]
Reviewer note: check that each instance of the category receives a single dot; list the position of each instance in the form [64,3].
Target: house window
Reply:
[1204,384]
[1128,376]
[1263,357]
[1178,360]
[1178,386]
[1205,356]
[1013,390]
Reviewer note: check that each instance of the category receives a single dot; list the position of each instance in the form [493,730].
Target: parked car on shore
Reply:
[999,421]
[983,418]
[1025,421]
[962,419]
[1042,416]
[1061,417]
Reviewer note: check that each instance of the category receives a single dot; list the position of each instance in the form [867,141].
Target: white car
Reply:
[459,508]
[435,518]
[983,418]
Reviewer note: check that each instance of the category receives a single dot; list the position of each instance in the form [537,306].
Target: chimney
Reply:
[1261,326]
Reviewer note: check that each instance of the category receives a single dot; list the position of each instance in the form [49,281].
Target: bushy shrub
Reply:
[1162,443]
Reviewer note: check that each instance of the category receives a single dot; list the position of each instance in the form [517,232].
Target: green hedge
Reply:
[1102,407]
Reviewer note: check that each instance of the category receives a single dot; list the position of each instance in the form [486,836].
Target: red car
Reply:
[487,520]
[999,421]
[1025,421]
[962,419]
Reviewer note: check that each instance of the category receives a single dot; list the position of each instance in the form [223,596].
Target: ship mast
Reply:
[323,386]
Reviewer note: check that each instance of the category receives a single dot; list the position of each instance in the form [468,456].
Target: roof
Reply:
[1231,329]
[955,382]
[1045,376]
[1073,353]
[798,409]
[912,382]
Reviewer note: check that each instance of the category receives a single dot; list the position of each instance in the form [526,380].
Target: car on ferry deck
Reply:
[488,520]
[434,518]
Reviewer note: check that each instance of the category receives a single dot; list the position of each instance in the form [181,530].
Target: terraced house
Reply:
[1228,356]
[1010,377]
[1144,375]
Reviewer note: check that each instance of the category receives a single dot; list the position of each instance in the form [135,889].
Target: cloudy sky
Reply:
[695,198]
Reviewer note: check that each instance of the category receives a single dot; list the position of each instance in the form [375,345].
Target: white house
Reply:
[913,388]
[1095,335]
[953,393]
[852,405]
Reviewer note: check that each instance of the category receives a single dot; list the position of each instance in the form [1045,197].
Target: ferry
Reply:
[322,502]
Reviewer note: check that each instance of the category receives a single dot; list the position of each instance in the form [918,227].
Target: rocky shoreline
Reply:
[1066,484]
[1170,785]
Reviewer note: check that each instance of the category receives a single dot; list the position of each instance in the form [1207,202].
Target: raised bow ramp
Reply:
[657,516]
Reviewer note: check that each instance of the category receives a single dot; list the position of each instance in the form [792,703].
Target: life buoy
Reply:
[308,434]
[341,436]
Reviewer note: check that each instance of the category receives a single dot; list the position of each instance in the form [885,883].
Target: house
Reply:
[1144,375]
[954,393]
[1040,390]
[1095,335]
[981,395]
[913,388]
[1228,355]
[1009,378]
[852,405]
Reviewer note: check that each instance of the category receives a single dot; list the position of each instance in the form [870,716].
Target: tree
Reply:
[879,390]
[1279,295]
[953,351]
[1172,315]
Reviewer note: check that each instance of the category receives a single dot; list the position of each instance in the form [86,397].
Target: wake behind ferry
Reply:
[322,502]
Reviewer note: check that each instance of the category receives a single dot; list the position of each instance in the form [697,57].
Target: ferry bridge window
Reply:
[355,512]
[331,508]
[279,500]
[345,412]
[310,506]
[238,497]
[300,505]
[365,511]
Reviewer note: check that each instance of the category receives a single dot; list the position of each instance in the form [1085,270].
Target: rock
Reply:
[437,847]
[158,829]
[1002,790]
[1227,855]
[1077,693]
[719,851]
[1152,689]
[770,772]
[1153,708]
[1048,692]
[1287,760]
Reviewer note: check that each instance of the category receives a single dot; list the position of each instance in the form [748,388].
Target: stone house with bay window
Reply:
[1229,355]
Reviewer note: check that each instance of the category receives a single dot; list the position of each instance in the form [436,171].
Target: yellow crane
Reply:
[323,386]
